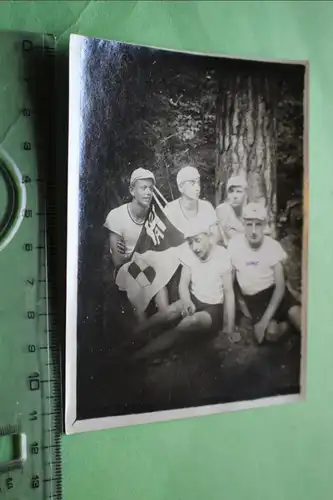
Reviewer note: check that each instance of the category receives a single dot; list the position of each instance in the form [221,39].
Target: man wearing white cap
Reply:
[206,280]
[125,222]
[205,289]
[229,213]
[188,207]
[258,263]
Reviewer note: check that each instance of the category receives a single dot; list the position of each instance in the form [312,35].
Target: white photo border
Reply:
[72,423]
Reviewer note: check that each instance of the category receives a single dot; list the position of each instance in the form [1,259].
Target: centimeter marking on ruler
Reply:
[38,474]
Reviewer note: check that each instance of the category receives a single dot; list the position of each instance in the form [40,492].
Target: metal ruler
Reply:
[30,389]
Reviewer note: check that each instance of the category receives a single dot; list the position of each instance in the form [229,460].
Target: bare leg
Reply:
[162,302]
[295,317]
[140,316]
[198,321]
[162,299]
[162,317]
[297,296]
[276,330]
[242,305]
[284,327]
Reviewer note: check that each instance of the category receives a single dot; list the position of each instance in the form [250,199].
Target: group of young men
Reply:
[228,254]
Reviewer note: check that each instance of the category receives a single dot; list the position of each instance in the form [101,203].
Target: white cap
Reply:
[141,173]
[237,181]
[255,211]
[187,174]
[197,226]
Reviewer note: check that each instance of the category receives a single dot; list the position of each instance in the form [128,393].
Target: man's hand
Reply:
[233,336]
[121,247]
[117,249]
[188,308]
[260,330]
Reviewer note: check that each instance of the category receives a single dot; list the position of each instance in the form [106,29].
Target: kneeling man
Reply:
[258,263]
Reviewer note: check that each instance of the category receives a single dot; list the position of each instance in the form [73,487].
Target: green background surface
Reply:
[275,453]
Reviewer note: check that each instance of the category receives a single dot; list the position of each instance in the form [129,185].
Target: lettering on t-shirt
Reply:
[252,263]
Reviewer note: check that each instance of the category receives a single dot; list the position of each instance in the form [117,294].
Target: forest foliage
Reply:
[162,110]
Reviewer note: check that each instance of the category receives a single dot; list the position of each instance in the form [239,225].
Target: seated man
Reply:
[125,224]
[258,263]
[205,289]
[189,207]
[230,219]
[229,213]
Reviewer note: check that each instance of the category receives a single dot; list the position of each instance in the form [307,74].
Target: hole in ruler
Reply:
[12,450]
[12,200]
[8,448]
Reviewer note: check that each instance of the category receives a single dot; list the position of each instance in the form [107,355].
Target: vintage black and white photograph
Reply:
[187,234]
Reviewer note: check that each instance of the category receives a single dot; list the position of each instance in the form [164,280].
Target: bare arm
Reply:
[230,232]
[184,290]
[118,258]
[225,231]
[229,301]
[217,233]
[277,294]
[184,284]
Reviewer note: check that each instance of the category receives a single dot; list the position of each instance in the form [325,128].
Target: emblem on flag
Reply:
[142,272]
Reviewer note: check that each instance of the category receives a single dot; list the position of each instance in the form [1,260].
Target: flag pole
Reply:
[157,191]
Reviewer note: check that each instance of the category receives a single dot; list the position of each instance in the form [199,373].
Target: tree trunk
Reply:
[246,138]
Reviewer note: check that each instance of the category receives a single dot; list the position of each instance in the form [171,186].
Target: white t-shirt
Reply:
[228,219]
[174,212]
[254,267]
[120,222]
[206,276]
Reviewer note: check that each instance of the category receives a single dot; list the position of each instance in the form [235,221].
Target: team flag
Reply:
[155,258]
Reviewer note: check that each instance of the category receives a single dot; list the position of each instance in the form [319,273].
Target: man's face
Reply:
[191,189]
[200,245]
[254,231]
[236,196]
[142,192]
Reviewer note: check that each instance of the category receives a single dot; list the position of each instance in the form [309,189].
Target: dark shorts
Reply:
[215,311]
[258,303]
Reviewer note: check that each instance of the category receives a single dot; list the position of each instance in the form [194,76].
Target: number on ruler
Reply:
[27,213]
[34,449]
[33,415]
[34,383]
[9,483]
[26,179]
[26,112]
[31,281]
[31,348]
[31,314]
[35,481]
[28,247]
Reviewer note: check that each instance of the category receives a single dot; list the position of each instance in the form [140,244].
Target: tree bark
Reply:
[246,138]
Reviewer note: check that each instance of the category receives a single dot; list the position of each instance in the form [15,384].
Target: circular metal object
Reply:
[12,199]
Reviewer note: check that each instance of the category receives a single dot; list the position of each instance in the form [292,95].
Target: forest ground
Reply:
[193,375]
